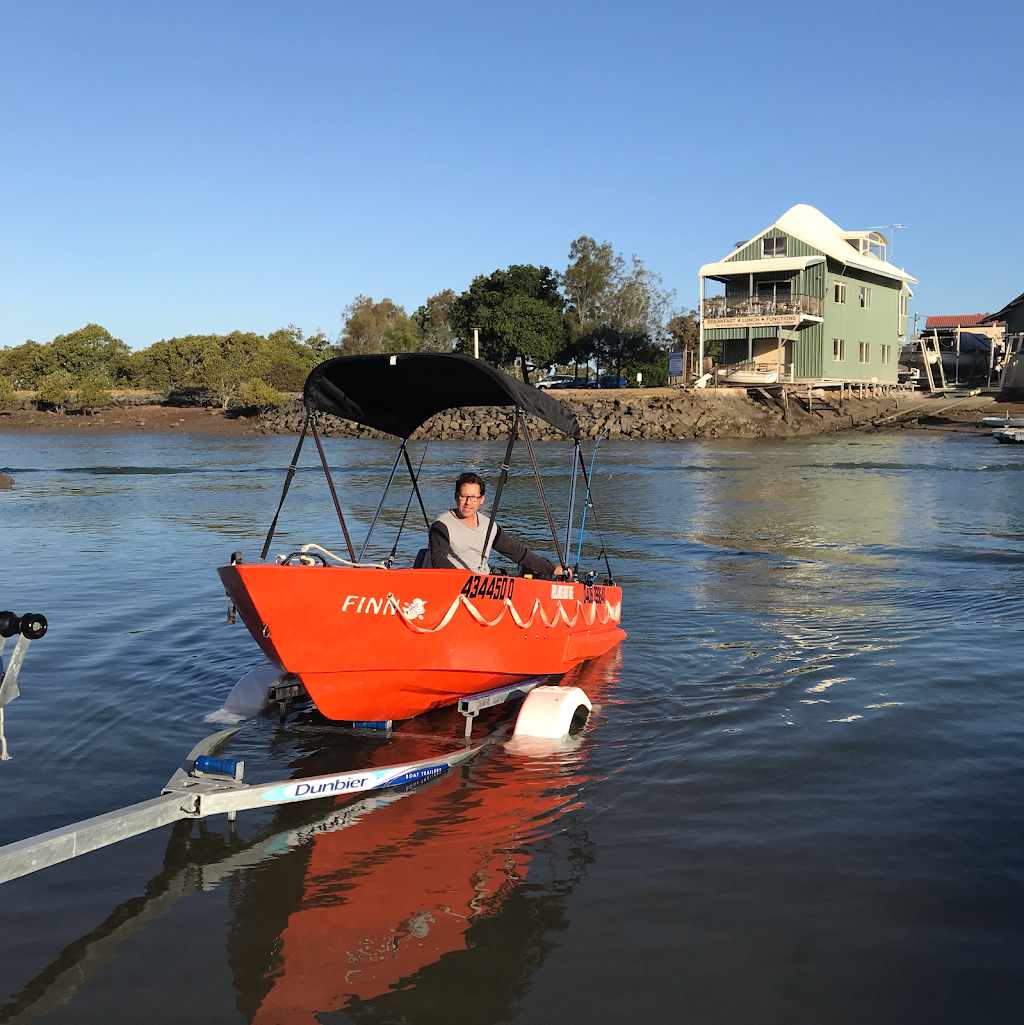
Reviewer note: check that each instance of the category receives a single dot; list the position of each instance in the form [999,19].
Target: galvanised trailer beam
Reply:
[204,786]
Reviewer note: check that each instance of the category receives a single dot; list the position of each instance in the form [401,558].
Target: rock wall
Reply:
[655,415]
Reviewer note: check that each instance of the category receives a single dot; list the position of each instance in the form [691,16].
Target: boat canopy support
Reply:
[287,484]
[540,491]
[506,463]
[383,497]
[330,483]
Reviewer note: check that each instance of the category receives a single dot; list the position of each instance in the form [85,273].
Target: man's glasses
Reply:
[470,498]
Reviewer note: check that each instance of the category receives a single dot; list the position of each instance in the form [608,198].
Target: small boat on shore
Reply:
[1002,421]
[1009,435]
[372,643]
[749,374]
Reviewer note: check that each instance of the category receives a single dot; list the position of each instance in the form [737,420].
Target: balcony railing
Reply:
[747,306]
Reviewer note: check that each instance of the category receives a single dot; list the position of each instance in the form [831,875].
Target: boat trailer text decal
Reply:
[353,782]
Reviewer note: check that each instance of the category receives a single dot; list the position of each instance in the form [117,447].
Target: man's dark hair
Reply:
[469,478]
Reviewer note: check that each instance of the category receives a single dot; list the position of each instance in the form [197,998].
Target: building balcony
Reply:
[756,311]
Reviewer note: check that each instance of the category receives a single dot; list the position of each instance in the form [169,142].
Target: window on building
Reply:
[886,355]
[904,305]
[840,292]
[838,350]
[774,291]
[773,246]
[871,244]
[865,352]
[865,298]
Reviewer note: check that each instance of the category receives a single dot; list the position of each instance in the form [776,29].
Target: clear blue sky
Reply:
[177,167]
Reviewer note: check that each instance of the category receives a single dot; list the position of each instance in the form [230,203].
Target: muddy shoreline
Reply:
[650,415]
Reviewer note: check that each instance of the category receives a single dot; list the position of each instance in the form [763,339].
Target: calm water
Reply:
[799,800]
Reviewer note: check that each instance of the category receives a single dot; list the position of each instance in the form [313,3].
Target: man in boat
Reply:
[457,536]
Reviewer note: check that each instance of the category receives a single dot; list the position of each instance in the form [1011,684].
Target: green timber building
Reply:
[806,301]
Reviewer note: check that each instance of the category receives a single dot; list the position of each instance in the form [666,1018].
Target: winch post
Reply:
[9,683]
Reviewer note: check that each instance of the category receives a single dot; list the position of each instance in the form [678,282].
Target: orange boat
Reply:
[371,643]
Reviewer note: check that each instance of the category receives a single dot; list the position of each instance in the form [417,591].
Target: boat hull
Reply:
[373,644]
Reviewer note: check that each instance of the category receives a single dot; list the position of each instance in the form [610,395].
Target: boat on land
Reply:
[1002,421]
[1009,435]
[371,642]
[749,374]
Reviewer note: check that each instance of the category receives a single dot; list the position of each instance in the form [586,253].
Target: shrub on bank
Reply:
[7,396]
[54,389]
[92,393]
[259,395]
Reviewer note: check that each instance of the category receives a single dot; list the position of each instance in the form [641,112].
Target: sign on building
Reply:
[675,363]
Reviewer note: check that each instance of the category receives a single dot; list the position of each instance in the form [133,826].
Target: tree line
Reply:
[603,309]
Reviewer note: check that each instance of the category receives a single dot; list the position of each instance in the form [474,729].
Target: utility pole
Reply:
[476,343]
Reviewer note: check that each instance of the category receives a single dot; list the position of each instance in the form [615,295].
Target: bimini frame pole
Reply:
[502,478]
[414,477]
[380,505]
[588,503]
[330,484]
[572,505]
[540,489]
[287,484]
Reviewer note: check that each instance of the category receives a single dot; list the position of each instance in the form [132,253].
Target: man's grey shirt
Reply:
[453,543]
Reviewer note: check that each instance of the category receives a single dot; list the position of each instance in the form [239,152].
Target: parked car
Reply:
[573,382]
[608,381]
[555,381]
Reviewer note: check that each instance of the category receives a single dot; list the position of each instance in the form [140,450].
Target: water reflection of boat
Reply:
[382,911]
[402,897]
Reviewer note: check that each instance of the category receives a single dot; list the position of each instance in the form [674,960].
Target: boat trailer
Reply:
[204,784]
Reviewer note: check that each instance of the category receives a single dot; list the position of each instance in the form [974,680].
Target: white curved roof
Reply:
[775,263]
[813,227]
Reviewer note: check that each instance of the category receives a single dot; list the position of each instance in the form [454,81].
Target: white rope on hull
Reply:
[613,614]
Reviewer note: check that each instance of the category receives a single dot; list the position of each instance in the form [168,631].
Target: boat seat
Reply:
[422,559]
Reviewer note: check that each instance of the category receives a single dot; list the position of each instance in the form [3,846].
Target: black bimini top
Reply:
[398,393]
